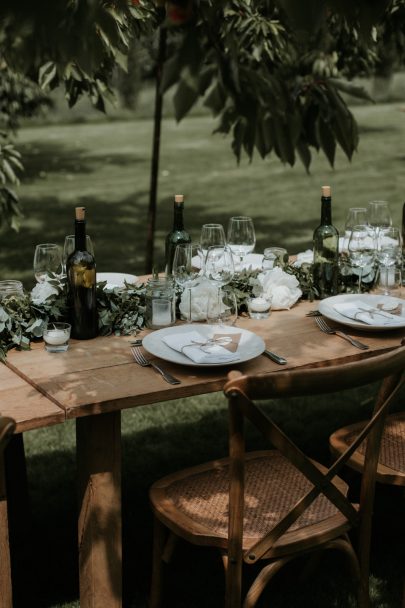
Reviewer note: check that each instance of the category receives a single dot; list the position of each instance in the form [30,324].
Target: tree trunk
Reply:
[157,122]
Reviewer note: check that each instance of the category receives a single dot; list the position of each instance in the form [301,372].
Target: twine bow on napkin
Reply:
[359,311]
[202,349]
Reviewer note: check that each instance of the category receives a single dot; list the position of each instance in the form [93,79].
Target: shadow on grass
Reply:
[118,232]
[47,577]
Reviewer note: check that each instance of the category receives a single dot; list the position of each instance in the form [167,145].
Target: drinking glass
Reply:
[219,269]
[212,235]
[47,260]
[69,247]
[222,310]
[389,246]
[362,249]
[378,215]
[355,217]
[185,272]
[241,236]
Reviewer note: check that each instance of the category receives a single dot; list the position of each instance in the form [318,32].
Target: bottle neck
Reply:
[178,223]
[80,235]
[326,210]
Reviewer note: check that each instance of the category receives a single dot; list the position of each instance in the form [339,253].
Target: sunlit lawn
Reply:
[105,166]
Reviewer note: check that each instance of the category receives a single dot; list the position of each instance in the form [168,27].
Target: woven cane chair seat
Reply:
[391,462]
[273,486]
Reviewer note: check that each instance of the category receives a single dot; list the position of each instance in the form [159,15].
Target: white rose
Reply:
[42,291]
[199,300]
[282,287]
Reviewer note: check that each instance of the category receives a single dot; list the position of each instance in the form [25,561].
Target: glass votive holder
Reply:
[259,307]
[11,288]
[160,303]
[273,257]
[56,337]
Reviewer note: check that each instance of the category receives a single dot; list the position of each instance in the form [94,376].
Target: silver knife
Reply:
[274,357]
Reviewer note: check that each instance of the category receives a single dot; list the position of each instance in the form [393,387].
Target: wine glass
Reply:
[241,236]
[355,217]
[362,249]
[223,309]
[185,273]
[69,247]
[219,270]
[47,261]
[378,215]
[212,235]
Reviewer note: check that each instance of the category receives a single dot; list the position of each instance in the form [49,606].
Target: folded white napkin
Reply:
[370,315]
[282,287]
[196,347]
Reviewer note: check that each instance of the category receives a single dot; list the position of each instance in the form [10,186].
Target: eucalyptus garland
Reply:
[121,311]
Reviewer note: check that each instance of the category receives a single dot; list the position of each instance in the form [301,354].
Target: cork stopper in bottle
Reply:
[80,211]
[326,192]
[179,198]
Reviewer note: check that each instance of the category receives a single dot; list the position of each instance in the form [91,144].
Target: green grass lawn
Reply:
[105,166]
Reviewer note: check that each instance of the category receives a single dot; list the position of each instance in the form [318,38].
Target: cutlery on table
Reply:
[323,326]
[144,362]
[274,357]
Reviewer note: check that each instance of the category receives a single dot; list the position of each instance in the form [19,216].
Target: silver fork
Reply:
[323,326]
[144,362]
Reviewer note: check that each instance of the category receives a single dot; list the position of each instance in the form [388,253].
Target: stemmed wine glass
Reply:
[378,215]
[355,217]
[212,235]
[47,261]
[219,270]
[69,247]
[185,273]
[241,236]
[362,249]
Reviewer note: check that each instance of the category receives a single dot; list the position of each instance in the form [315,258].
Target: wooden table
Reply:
[93,381]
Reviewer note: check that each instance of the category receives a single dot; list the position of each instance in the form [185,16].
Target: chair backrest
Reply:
[242,390]
[7,427]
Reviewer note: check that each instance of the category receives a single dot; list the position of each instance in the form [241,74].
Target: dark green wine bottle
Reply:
[326,250]
[81,279]
[176,236]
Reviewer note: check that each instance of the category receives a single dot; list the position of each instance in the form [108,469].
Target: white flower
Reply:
[42,291]
[281,286]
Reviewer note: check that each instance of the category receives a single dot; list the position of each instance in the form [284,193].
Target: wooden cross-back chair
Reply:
[391,462]
[7,427]
[275,505]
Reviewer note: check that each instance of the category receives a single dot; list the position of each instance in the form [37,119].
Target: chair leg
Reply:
[6,600]
[159,539]
[262,580]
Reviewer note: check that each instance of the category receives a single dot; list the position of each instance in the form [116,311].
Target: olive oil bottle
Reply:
[326,250]
[81,279]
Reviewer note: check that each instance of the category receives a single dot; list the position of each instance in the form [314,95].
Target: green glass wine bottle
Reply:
[326,250]
[177,235]
[81,280]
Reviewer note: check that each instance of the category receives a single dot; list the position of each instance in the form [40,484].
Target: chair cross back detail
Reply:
[274,505]
[241,391]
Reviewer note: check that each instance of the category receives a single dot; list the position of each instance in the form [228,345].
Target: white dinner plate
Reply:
[116,279]
[252,260]
[250,345]
[326,308]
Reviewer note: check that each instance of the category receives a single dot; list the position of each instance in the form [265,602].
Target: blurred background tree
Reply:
[275,73]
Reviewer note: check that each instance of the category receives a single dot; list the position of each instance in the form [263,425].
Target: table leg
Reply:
[98,441]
